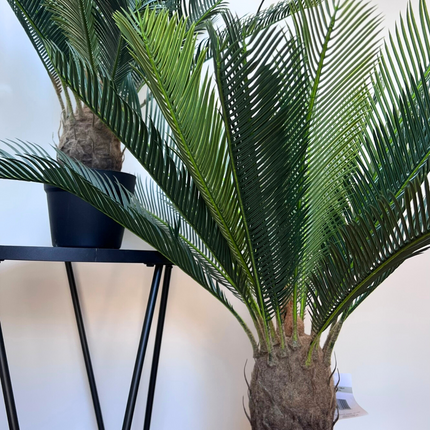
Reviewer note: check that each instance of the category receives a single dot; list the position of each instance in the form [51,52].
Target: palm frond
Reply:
[341,46]
[156,202]
[77,20]
[373,247]
[403,57]
[114,55]
[396,149]
[197,12]
[87,32]
[263,94]
[111,47]
[162,206]
[146,144]
[396,146]
[164,49]
[31,163]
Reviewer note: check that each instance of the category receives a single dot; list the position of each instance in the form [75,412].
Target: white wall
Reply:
[200,387]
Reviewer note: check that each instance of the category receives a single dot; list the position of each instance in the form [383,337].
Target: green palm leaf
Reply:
[162,206]
[113,54]
[76,19]
[396,147]
[263,105]
[340,39]
[164,49]
[373,247]
[85,29]
[149,148]
[154,200]
[122,69]
[32,163]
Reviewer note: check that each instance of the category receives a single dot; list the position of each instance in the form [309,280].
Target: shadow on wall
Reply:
[200,384]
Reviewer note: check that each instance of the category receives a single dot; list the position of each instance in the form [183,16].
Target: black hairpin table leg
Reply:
[6,384]
[157,347]
[134,386]
[84,344]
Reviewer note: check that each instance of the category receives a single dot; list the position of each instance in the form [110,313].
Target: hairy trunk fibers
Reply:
[285,394]
[88,140]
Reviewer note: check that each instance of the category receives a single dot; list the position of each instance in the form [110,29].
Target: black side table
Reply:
[93,255]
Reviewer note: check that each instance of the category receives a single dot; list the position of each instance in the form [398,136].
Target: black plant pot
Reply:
[75,223]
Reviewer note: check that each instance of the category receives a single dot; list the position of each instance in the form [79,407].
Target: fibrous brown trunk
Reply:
[285,394]
[88,140]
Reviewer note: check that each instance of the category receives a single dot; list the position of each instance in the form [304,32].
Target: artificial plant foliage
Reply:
[292,172]
[85,30]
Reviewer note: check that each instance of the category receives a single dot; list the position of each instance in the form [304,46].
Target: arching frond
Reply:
[394,146]
[373,247]
[154,200]
[36,165]
[341,41]
[164,48]
[263,93]
[76,19]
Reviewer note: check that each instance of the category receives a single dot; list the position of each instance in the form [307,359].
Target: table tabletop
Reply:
[94,255]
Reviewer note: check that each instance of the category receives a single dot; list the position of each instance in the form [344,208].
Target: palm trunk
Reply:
[90,141]
[285,394]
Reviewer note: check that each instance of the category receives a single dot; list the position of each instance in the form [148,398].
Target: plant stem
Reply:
[311,350]
[259,7]
[295,336]
[78,105]
[331,341]
[280,328]
[60,99]
[69,109]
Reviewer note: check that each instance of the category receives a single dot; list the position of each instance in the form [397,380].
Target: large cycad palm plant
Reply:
[293,173]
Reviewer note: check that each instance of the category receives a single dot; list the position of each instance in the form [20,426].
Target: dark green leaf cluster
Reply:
[295,172]
[262,89]
[372,248]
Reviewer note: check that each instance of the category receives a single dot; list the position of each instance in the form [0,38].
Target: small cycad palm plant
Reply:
[86,29]
[293,174]
[83,28]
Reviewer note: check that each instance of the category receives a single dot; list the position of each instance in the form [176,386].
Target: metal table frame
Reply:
[95,255]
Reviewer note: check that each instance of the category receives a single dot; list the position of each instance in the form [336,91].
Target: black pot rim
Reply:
[118,174]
